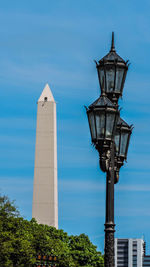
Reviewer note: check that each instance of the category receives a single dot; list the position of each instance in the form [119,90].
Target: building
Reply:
[129,252]
[146,262]
[45,203]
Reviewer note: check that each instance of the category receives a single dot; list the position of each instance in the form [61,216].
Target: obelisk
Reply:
[45,199]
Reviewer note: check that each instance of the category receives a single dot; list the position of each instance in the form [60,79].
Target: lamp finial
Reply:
[112,43]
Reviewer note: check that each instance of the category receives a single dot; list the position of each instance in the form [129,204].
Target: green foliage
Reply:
[22,240]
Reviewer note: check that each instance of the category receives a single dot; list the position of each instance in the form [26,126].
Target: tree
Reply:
[84,252]
[15,240]
[22,240]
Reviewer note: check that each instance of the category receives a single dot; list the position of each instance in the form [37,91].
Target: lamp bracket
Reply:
[104,160]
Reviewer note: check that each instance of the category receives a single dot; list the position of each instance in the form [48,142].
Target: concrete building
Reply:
[45,203]
[146,262]
[129,252]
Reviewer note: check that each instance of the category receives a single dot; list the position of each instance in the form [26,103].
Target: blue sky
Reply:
[56,42]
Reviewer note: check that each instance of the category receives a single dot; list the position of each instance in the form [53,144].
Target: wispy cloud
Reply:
[18,188]
[133,188]
[17,123]
[15,74]
[77,185]
[15,186]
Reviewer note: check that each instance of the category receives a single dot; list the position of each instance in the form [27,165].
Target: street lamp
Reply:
[112,70]
[122,138]
[102,116]
[110,134]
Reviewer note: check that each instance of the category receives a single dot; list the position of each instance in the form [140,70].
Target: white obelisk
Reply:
[45,202]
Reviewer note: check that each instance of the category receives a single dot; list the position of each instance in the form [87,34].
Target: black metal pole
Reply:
[109,221]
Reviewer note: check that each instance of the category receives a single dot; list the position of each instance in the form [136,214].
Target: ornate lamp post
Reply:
[110,134]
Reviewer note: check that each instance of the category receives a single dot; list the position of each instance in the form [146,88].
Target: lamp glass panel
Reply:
[119,78]
[92,124]
[110,124]
[100,124]
[110,79]
[101,77]
[117,138]
[123,143]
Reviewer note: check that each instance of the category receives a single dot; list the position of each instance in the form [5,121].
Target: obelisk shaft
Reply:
[45,203]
